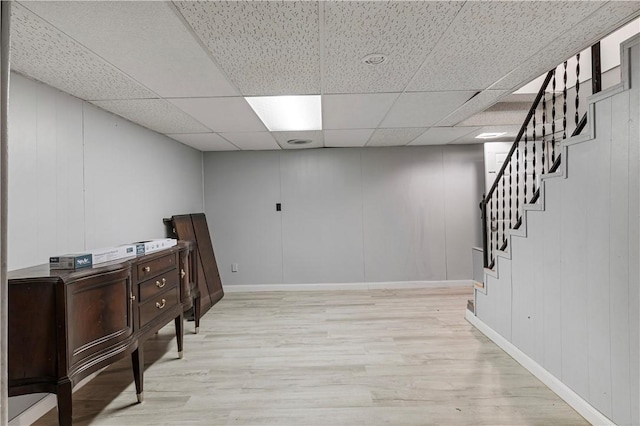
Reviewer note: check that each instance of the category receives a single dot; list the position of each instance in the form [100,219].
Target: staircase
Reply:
[535,154]
[562,246]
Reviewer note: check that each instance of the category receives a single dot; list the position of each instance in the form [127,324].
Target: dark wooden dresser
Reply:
[65,325]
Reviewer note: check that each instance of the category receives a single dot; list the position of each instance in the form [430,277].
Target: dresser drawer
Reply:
[150,288]
[156,266]
[155,307]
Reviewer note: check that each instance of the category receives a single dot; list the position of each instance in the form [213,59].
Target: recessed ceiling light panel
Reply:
[288,113]
[491,135]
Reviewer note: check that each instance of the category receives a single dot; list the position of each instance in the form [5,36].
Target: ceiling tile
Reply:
[248,141]
[154,114]
[221,114]
[489,39]
[499,114]
[478,103]
[150,44]
[204,141]
[394,137]
[344,138]
[424,109]
[315,136]
[265,47]
[108,52]
[510,136]
[442,135]
[572,40]
[358,111]
[44,53]
[405,31]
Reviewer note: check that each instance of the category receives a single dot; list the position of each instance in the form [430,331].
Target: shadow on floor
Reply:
[95,396]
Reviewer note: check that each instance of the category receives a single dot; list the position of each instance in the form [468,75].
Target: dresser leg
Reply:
[196,312]
[179,332]
[137,359]
[65,410]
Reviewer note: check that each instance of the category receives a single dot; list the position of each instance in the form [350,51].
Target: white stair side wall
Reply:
[634,230]
[566,293]
[494,308]
[548,276]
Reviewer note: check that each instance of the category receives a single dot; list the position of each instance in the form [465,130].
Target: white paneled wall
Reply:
[348,215]
[463,182]
[46,197]
[404,215]
[134,178]
[82,178]
[241,193]
[322,216]
[569,296]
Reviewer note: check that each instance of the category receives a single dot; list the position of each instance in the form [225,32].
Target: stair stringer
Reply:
[493,276]
[521,232]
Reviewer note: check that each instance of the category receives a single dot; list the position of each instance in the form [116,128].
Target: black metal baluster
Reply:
[564,103]
[524,200]
[533,141]
[553,119]
[489,225]
[518,181]
[510,193]
[496,218]
[504,212]
[485,240]
[596,69]
[544,132]
[577,116]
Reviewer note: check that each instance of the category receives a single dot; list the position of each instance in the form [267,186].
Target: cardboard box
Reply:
[71,261]
[146,247]
[108,254]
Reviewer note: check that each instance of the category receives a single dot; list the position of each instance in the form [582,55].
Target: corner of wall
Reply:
[202,181]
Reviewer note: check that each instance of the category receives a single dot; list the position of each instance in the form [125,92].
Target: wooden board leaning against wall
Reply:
[194,227]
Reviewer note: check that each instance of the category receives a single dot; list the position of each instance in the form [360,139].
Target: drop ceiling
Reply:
[183,68]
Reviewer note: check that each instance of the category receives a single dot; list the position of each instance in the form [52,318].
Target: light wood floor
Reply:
[381,357]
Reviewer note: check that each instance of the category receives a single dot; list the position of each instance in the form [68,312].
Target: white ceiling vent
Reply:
[299,141]
[375,59]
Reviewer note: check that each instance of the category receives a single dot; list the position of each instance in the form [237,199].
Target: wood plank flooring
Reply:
[377,357]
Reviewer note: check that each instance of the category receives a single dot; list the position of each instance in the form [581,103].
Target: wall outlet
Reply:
[234,267]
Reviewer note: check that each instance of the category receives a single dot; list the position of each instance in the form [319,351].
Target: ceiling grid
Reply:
[183,68]
[42,51]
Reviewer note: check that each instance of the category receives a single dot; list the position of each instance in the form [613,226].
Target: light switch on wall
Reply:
[234,267]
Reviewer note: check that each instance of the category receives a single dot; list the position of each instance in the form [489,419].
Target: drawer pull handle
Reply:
[182,273]
[161,284]
[147,269]
[161,305]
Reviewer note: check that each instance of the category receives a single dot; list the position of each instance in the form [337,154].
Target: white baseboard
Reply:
[33,413]
[585,409]
[241,288]
[43,406]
